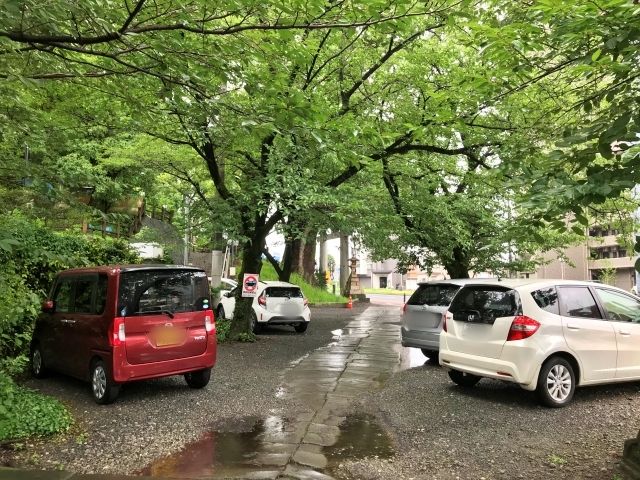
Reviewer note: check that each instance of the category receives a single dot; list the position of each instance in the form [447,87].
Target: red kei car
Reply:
[117,324]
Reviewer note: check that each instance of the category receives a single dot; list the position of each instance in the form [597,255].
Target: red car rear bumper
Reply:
[123,371]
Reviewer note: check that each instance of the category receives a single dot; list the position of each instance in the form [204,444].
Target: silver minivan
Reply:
[422,314]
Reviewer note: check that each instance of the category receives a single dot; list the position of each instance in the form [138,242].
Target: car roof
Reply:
[456,281]
[535,283]
[112,269]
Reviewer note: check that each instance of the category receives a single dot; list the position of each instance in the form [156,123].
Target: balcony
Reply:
[621,262]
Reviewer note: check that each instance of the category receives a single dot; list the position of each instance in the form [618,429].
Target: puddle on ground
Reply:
[360,359]
[361,436]
[223,454]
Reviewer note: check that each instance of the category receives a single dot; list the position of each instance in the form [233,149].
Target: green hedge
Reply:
[30,256]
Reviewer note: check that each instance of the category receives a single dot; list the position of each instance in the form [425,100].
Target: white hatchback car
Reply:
[276,303]
[545,335]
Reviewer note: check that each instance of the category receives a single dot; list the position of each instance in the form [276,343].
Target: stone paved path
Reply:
[361,357]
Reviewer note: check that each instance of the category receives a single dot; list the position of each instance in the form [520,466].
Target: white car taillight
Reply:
[522,327]
[444,321]
[262,300]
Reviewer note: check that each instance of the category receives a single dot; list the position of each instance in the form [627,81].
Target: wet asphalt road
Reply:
[279,403]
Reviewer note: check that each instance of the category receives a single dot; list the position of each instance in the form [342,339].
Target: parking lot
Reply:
[377,391]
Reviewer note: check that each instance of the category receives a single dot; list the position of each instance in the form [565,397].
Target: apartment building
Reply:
[600,257]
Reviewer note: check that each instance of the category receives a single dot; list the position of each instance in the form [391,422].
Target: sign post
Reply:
[250,285]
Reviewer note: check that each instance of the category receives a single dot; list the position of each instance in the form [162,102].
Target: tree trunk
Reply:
[291,261]
[458,266]
[251,263]
[309,260]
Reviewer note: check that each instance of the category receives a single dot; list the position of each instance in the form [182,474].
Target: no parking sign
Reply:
[250,285]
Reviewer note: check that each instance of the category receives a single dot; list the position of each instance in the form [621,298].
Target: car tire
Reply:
[556,383]
[198,379]
[103,388]
[463,379]
[220,313]
[301,327]
[432,354]
[255,325]
[38,369]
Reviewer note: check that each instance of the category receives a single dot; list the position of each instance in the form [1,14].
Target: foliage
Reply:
[30,256]
[590,49]
[453,107]
[25,413]
[246,337]
[607,274]
[222,329]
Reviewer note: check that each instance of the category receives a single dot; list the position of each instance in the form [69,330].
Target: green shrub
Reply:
[30,256]
[25,413]
[222,329]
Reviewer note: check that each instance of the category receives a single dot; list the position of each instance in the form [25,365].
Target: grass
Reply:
[315,295]
[25,413]
[388,291]
[556,460]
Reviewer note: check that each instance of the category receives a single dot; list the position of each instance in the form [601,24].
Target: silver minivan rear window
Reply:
[165,290]
[438,295]
[483,304]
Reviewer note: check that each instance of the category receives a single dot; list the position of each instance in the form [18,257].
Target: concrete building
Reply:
[594,259]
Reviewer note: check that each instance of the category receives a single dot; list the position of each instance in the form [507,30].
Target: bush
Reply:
[30,256]
[24,413]
[222,330]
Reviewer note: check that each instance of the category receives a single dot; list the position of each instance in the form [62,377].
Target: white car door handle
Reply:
[624,333]
[573,327]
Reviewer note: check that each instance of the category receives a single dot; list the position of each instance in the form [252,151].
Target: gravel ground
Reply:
[153,418]
[497,431]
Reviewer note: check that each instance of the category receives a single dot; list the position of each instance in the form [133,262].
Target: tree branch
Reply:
[273,262]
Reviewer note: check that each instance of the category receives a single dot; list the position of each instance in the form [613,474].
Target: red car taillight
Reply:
[117,335]
[522,327]
[209,321]
[262,300]
[444,321]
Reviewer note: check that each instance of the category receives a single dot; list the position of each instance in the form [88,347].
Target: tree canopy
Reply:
[445,131]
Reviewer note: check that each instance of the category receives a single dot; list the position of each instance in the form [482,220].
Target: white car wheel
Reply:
[556,383]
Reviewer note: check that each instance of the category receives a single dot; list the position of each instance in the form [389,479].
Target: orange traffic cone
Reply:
[350,302]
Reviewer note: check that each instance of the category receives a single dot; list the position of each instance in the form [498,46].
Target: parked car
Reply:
[226,285]
[112,325]
[422,315]
[276,303]
[544,335]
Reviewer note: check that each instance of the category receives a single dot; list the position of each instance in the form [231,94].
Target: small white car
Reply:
[226,285]
[545,335]
[276,303]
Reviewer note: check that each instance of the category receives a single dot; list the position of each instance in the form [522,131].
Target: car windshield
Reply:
[439,295]
[154,291]
[283,292]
